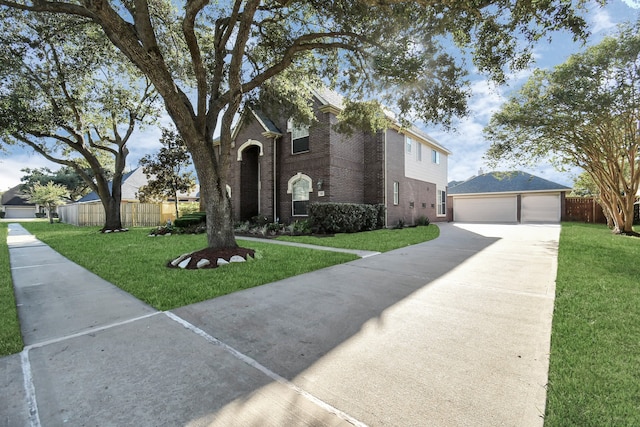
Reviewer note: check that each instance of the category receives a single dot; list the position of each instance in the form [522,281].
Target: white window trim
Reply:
[297,132]
[296,177]
[441,199]
[435,157]
[396,193]
[290,183]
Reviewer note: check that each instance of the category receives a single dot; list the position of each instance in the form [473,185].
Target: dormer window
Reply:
[299,137]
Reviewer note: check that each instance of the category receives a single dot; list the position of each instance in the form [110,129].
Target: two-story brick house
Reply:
[279,167]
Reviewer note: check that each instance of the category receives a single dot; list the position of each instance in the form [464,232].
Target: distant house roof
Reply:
[505,182]
[131,182]
[15,197]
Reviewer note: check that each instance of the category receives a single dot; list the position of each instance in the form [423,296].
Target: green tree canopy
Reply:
[49,196]
[166,170]
[68,94]
[209,59]
[66,176]
[583,113]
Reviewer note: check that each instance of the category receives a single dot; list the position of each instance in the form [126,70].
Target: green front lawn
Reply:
[594,376]
[378,240]
[10,337]
[137,263]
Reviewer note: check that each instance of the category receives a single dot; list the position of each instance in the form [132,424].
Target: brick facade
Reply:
[358,168]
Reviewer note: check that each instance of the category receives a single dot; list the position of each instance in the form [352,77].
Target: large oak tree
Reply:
[252,51]
[66,92]
[585,113]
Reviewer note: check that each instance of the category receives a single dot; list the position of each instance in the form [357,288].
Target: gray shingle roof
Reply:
[505,182]
[15,197]
[131,182]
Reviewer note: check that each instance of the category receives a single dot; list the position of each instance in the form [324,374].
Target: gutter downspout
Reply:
[275,175]
[384,175]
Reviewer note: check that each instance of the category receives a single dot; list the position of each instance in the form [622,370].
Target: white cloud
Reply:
[632,3]
[10,167]
[600,20]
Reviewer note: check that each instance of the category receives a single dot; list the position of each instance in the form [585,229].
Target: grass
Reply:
[378,240]
[10,337]
[594,375]
[137,263]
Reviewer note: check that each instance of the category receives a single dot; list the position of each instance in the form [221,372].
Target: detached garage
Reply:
[15,204]
[507,197]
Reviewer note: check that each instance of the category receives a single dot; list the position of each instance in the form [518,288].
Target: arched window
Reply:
[299,186]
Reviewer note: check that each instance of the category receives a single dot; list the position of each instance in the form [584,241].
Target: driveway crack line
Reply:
[256,365]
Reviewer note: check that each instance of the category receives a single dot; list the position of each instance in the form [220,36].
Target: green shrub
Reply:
[330,218]
[191,219]
[299,228]
[422,221]
[260,220]
[2,214]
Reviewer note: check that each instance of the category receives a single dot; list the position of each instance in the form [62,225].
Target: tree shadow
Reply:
[291,325]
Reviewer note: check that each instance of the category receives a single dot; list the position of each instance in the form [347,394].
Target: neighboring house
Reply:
[278,167]
[508,197]
[15,204]
[131,182]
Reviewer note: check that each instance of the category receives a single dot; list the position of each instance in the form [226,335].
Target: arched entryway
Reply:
[250,182]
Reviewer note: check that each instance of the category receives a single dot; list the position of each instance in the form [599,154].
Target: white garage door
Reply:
[19,212]
[540,208]
[485,209]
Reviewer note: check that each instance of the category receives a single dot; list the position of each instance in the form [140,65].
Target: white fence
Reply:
[132,214]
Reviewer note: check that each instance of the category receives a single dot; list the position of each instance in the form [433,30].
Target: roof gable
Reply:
[15,197]
[505,182]
[131,182]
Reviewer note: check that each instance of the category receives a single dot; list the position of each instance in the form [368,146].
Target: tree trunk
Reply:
[112,220]
[213,195]
[219,220]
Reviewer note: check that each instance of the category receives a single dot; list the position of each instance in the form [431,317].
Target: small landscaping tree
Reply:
[49,196]
[166,170]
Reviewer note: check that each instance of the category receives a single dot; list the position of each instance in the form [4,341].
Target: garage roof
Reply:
[505,182]
[15,197]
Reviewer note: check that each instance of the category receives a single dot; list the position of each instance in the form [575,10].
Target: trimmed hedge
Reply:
[191,219]
[330,218]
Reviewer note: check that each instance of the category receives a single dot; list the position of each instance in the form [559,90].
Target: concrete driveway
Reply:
[451,332]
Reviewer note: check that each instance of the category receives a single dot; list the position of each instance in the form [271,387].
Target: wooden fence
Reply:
[583,209]
[132,214]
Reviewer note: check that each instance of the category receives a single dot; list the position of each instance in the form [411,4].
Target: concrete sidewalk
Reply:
[454,331]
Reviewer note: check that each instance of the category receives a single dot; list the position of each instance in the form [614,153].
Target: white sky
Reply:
[466,143]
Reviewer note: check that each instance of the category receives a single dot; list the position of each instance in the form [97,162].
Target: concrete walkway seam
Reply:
[37,265]
[90,331]
[255,364]
[29,388]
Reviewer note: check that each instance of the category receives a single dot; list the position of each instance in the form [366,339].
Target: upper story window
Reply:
[419,152]
[409,145]
[299,137]
[435,157]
